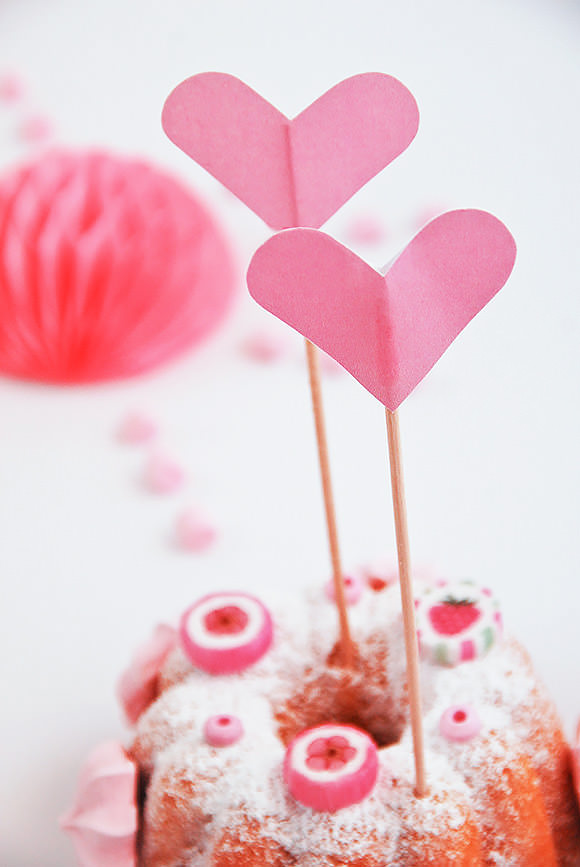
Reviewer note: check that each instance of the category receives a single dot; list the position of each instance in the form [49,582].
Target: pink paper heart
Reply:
[292,172]
[387,331]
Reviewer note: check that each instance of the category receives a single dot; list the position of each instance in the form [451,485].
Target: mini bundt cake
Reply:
[253,747]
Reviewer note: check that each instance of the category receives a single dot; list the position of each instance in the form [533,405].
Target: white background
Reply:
[490,438]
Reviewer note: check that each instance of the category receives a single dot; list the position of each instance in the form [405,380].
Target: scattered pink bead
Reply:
[163,476]
[103,819]
[366,229]
[194,532]
[11,88]
[460,723]
[263,347]
[35,128]
[352,590]
[137,429]
[331,766]
[225,633]
[223,730]
[138,685]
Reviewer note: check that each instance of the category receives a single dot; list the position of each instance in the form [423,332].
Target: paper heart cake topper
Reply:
[292,172]
[387,331]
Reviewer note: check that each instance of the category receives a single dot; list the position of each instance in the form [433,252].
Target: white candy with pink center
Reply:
[223,730]
[460,722]
[331,766]
[225,633]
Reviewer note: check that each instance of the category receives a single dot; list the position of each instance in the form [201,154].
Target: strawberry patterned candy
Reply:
[331,766]
[224,633]
[457,622]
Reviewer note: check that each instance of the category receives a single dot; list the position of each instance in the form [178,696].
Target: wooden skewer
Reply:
[407,599]
[346,645]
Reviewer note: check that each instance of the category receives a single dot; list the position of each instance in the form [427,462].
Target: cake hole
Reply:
[224,721]
[459,716]
[377,584]
[360,697]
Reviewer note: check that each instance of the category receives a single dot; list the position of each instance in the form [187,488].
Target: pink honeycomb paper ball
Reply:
[108,268]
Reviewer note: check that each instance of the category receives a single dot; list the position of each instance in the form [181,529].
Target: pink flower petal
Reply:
[137,687]
[103,819]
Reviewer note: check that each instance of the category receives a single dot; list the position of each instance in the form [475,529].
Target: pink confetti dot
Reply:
[263,347]
[194,532]
[36,128]
[366,229]
[137,428]
[163,475]
[11,88]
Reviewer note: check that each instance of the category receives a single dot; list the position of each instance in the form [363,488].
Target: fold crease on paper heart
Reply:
[292,172]
[386,330]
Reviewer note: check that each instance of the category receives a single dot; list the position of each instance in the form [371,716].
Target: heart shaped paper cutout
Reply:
[387,331]
[292,172]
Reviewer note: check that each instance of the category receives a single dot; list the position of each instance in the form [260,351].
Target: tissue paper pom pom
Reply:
[108,268]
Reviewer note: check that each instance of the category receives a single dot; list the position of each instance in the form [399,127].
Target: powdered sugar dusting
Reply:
[240,788]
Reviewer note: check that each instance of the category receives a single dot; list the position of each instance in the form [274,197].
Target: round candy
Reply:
[352,590]
[331,766]
[223,730]
[460,723]
[224,633]
[456,622]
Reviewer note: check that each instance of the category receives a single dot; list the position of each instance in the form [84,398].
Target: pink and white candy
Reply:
[460,722]
[225,633]
[331,766]
[457,622]
[352,589]
[223,730]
